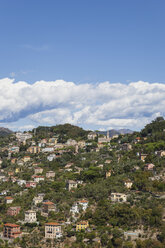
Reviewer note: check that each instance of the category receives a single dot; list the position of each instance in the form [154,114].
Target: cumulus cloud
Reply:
[102,105]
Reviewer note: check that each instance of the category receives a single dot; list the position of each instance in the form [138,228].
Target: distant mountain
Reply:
[113,132]
[5,131]
[125,131]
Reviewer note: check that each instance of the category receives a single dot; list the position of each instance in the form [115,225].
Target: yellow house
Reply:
[82,225]
[26,159]
[17,170]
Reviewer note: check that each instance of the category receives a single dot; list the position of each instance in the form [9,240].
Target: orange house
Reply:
[11,231]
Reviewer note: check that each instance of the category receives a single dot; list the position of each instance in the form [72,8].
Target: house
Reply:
[2,176]
[143,157]
[52,230]
[31,184]
[20,162]
[9,199]
[11,231]
[41,145]
[33,143]
[4,192]
[14,149]
[118,197]
[48,206]
[149,167]
[13,211]
[126,147]
[26,159]
[82,225]
[71,185]
[17,170]
[13,160]
[75,208]
[33,149]
[53,140]
[23,136]
[51,157]
[108,174]
[10,173]
[44,141]
[50,174]
[59,146]
[104,139]
[21,182]
[48,149]
[137,140]
[30,216]
[37,179]
[108,161]
[100,145]
[128,184]
[5,179]
[83,204]
[68,165]
[160,153]
[81,143]
[38,199]
[71,142]
[78,169]
[69,169]
[131,235]
[92,135]
[100,166]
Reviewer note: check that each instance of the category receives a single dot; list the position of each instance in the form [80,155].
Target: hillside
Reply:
[64,132]
[97,193]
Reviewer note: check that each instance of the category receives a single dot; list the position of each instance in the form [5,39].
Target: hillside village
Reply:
[63,186]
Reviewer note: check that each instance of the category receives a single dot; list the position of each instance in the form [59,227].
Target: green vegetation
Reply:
[135,220]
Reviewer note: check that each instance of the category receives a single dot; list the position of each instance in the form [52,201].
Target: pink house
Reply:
[149,167]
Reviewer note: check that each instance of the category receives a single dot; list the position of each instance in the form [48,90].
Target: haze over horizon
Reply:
[95,64]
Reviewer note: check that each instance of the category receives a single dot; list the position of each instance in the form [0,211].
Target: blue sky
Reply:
[86,42]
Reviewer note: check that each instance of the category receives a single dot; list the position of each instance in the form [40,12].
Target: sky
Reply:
[98,64]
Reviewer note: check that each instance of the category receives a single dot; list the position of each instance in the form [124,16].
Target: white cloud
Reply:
[100,105]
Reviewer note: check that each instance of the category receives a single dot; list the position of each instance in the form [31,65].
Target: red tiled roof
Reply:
[48,203]
[8,198]
[52,224]
[11,225]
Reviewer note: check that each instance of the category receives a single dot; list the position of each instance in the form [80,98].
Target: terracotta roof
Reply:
[52,224]
[83,201]
[48,203]
[8,198]
[11,225]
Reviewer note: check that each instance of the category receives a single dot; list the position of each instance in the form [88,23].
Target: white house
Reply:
[48,149]
[30,216]
[118,197]
[128,184]
[75,208]
[83,204]
[51,157]
[38,199]
[21,182]
[37,179]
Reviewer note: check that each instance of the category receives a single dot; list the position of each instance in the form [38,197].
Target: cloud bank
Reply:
[102,105]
